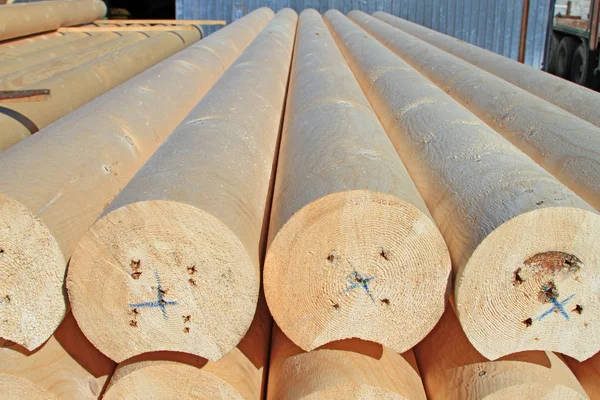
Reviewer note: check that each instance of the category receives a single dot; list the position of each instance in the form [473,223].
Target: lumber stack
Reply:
[417,222]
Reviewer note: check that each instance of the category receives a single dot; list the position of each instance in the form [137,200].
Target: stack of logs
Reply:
[418,216]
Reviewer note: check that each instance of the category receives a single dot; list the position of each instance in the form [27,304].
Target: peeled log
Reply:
[185,233]
[26,18]
[576,99]
[78,86]
[240,375]
[564,145]
[67,366]
[453,370]
[56,185]
[45,70]
[16,64]
[18,47]
[347,369]
[354,251]
[588,374]
[522,244]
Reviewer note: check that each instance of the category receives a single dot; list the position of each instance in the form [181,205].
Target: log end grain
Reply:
[357,264]
[536,288]
[32,267]
[162,275]
[16,388]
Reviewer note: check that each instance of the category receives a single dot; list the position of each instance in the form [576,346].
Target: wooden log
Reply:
[353,250]
[587,373]
[94,28]
[576,99]
[18,63]
[78,86]
[452,369]
[161,21]
[67,366]
[46,184]
[208,186]
[564,145]
[26,18]
[346,369]
[45,70]
[523,245]
[240,375]
[34,40]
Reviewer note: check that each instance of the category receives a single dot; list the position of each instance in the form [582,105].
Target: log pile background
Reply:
[293,207]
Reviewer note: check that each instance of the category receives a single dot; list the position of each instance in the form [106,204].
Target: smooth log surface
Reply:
[26,18]
[452,369]
[354,251]
[576,99]
[587,373]
[67,366]
[524,247]
[19,63]
[45,70]
[73,88]
[564,145]
[56,185]
[240,375]
[347,369]
[18,47]
[186,230]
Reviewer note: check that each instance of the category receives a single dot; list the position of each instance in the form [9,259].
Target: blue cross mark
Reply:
[557,306]
[356,280]
[160,299]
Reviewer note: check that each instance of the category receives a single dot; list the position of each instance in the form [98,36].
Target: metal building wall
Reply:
[492,24]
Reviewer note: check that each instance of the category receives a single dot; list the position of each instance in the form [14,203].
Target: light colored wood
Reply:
[239,375]
[566,146]
[452,369]
[347,369]
[55,66]
[191,220]
[93,28]
[41,46]
[522,244]
[161,21]
[576,99]
[78,86]
[56,185]
[18,63]
[67,366]
[26,18]
[12,44]
[354,251]
[587,373]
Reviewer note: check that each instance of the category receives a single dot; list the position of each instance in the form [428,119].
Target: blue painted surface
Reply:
[492,24]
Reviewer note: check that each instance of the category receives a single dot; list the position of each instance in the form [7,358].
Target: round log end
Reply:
[537,291]
[357,264]
[17,388]
[170,380]
[32,270]
[162,275]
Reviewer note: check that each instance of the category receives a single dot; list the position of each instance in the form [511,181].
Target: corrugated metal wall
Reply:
[492,24]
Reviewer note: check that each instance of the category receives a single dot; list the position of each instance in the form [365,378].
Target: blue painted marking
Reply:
[557,306]
[160,301]
[356,280]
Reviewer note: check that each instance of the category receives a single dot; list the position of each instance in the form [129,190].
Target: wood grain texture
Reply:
[573,98]
[78,86]
[523,246]
[452,369]
[16,64]
[45,70]
[18,47]
[346,369]
[57,184]
[241,374]
[191,220]
[67,366]
[566,146]
[587,373]
[354,251]
[26,18]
